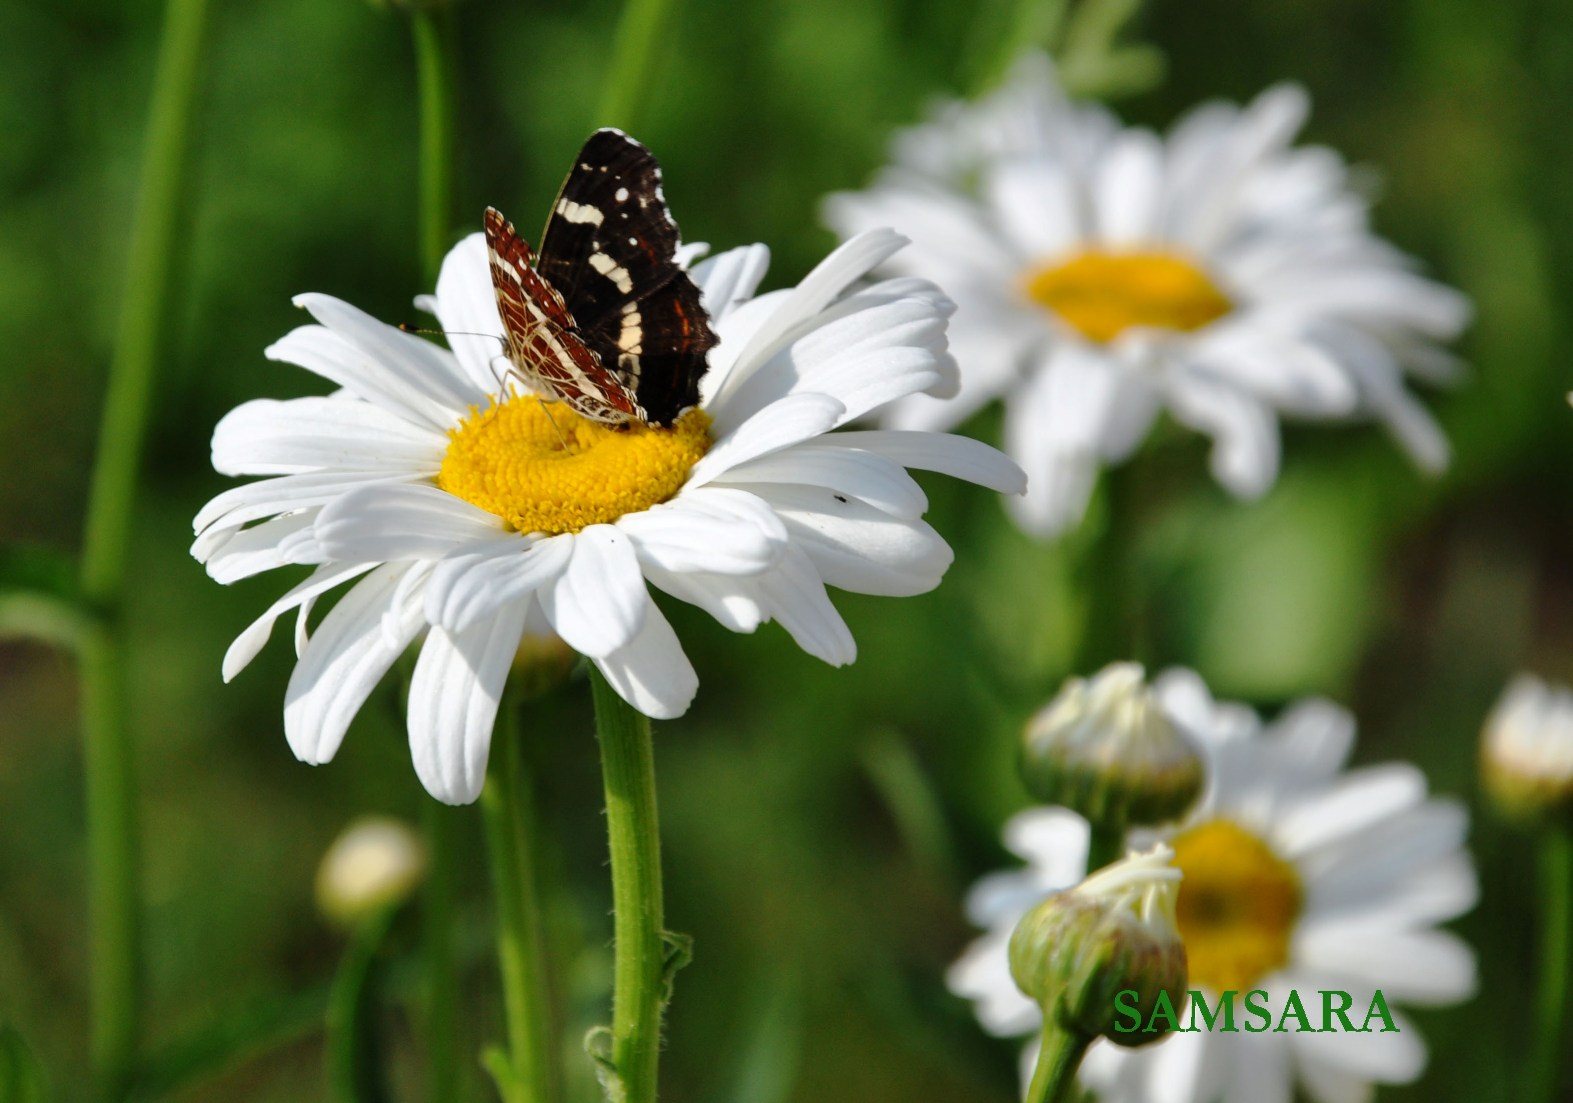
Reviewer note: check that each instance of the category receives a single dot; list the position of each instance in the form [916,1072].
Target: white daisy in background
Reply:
[1526,748]
[1102,273]
[471,518]
[1298,875]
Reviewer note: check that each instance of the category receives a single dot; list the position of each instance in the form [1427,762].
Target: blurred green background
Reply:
[820,826]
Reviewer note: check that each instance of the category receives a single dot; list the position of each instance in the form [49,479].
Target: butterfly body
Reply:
[604,319]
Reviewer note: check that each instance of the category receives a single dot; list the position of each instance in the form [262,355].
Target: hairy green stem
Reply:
[434,71]
[507,805]
[1054,1078]
[1556,930]
[642,34]
[112,863]
[628,769]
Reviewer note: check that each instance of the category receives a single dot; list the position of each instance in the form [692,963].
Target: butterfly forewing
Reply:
[608,249]
[542,343]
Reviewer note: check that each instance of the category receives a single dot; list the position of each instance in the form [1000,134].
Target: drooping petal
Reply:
[713,530]
[454,693]
[599,603]
[347,656]
[255,637]
[473,582]
[650,671]
[860,548]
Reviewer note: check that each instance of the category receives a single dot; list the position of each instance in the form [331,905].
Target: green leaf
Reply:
[38,596]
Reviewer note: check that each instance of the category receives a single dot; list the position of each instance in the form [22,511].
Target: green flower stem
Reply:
[1556,894]
[642,33]
[628,768]
[1001,32]
[1104,846]
[434,70]
[507,805]
[112,866]
[1054,1079]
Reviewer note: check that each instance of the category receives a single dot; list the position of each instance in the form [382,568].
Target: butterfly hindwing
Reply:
[608,250]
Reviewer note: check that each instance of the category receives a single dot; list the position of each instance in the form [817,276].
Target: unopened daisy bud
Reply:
[375,862]
[1104,747]
[1526,750]
[1080,949]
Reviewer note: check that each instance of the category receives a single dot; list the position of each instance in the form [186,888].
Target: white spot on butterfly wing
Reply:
[622,195]
[581,213]
[612,271]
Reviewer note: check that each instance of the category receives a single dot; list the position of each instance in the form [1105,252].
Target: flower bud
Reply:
[1526,750]
[1115,932]
[374,863]
[540,665]
[1104,747]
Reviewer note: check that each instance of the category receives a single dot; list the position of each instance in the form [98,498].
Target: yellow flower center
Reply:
[1100,295]
[543,468]
[1238,905]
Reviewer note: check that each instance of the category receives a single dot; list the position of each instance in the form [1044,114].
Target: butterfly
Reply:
[604,319]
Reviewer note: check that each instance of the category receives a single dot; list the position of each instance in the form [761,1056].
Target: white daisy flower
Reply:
[1526,748]
[1297,874]
[471,519]
[1104,273]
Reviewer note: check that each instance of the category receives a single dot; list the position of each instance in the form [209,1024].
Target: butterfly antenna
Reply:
[407,328]
[555,428]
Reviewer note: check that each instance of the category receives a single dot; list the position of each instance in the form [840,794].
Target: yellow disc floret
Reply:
[1101,295]
[543,468]
[1238,905]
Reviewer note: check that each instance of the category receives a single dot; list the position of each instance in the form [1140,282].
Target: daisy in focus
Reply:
[1297,874]
[477,515]
[1105,273]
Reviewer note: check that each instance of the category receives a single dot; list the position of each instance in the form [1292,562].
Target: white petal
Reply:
[730,278]
[1262,1071]
[241,505]
[781,424]
[724,597]
[466,306]
[401,522]
[1355,804]
[231,555]
[599,603]
[1244,430]
[1425,966]
[714,529]
[876,480]
[381,363]
[859,548]
[1128,190]
[474,581]
[1040,205]
[956,456]
[793,595]
[268,437]
[651,672]
[1054,840]
[457,684]
[347,656]
[1386,1057]
[255,637]
[982,974]
[1339,877]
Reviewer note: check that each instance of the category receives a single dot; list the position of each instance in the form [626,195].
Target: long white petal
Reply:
[788,421]
[231,555]
[651,672]
[401,522]
[350,652]
[454,693]
[956,456]
[269,437]
[466,308]
[857,547]
[241,505]
[599,603]
[255,637]
[793,595]
[476,580]
[707,532]
[878,481]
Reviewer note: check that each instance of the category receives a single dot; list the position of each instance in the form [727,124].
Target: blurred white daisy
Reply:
[1526,748]
[468,516]
[1102,273]
[1297,874]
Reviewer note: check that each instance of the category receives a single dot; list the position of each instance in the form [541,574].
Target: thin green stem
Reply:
[1104,846]
[1556,930]
[628,769]
[112,865]
[507,805]
[1054,1078]
[643,33]
[434,70]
